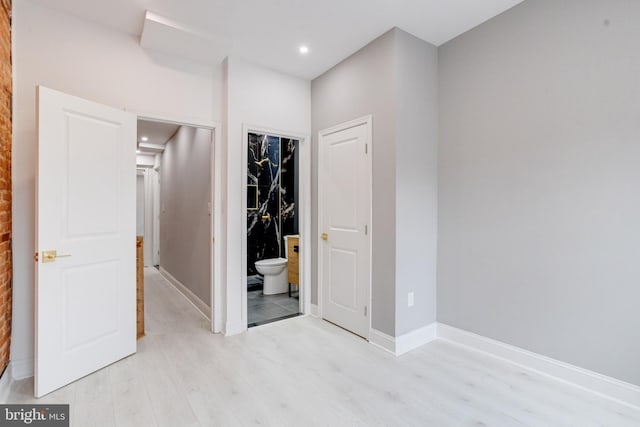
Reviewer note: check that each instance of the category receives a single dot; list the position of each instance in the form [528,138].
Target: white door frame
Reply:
[155,211]
[216,303]
[368,122]
[304,213]
[140,171]
[149,238]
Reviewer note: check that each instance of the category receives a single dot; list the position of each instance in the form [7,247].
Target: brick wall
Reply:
[5,182]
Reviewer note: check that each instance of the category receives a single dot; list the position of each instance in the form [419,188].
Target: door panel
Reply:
[91,160]
[85,297]
[345,193]
[343,276]
[87,323]
[343,184]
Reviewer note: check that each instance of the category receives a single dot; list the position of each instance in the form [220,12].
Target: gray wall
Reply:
[185,189]
[539,182]
[416,181]
[360,85]
[394,78]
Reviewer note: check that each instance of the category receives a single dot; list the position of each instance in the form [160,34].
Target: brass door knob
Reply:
[266,217]
[324,236]
[51,256]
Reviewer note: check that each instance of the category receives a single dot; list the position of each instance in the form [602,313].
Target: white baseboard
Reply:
[234,328]
[414,339]
[203,308]
[5,384]
[382,340]
[405,342]
[315,310]
[21,369]
[607,387]
[611,388]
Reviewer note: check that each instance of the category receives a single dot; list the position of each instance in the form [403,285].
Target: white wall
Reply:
[144,210]
[145,160]
[140,212]
[260,97]
[539,193]
[150,182]
[79,58]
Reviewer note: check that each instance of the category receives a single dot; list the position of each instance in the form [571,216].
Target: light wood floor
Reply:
[307,372]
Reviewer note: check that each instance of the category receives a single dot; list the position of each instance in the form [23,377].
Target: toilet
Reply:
[274,271]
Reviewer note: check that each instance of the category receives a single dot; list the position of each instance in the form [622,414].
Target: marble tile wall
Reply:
[272,195]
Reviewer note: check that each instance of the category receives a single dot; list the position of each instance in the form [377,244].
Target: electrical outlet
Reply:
[410,299]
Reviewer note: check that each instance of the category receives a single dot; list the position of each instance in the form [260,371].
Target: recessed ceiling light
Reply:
[304,50]
[144,138]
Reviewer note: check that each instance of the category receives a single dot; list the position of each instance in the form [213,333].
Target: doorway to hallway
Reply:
[174,163]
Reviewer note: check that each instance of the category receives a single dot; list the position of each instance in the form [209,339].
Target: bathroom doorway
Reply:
[273,227]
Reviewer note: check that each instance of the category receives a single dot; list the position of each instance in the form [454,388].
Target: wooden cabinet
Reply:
[293,246]
[139,286]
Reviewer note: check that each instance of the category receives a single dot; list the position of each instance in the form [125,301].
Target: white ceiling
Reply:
[269,32]
[158,133]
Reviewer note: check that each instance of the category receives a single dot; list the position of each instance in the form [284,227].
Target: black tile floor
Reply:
[263,309]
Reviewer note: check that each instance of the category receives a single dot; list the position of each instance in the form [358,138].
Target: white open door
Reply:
[345,209]
[85,237]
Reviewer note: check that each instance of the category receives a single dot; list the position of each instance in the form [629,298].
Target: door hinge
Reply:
[365,311]
[35,257]
[366,148]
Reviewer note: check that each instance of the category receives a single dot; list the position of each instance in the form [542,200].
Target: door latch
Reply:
[51,256]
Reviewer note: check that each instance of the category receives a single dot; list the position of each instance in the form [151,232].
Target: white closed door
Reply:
[85,237]
[345,205]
